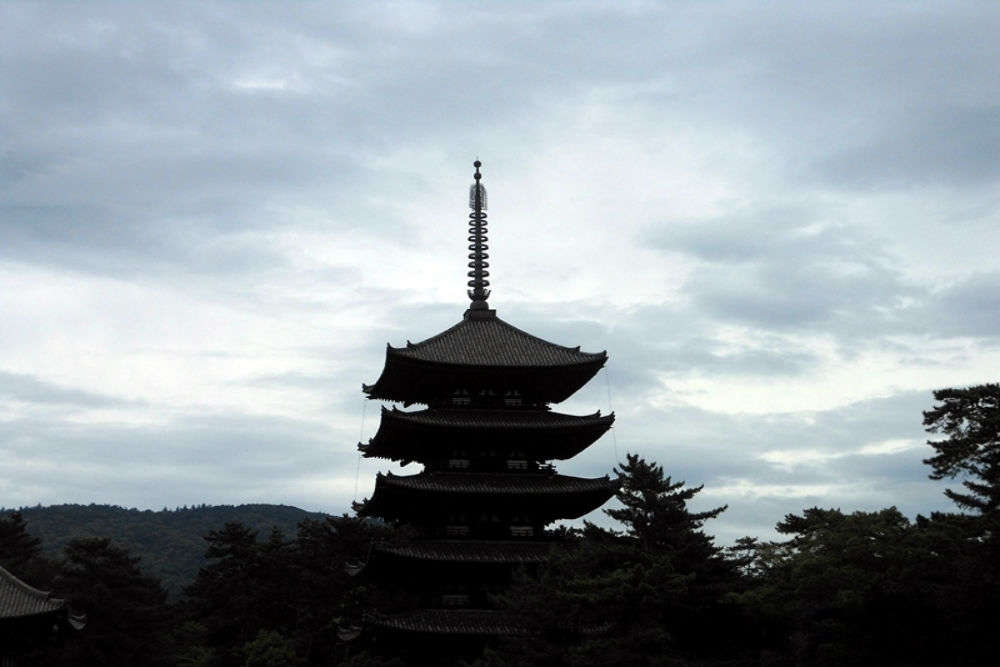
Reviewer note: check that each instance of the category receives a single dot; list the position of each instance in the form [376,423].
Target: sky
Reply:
[781,220]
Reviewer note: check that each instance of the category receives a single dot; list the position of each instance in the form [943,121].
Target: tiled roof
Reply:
[496,484]
[495,419]
[19,599]
[490,341]
[471,551]
[426,435]
[451,622]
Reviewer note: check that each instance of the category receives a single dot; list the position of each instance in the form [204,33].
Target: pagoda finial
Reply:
[478,248]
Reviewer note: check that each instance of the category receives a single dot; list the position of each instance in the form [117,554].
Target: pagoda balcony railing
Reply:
[485,531]
[455,600]
[491,465]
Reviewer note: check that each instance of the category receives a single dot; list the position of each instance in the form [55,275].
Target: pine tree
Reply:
[971,420]
[17,546]
[655,513]
[127,613]
[655,595]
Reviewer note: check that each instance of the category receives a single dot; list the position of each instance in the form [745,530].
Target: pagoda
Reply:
[30,619]
[487,438]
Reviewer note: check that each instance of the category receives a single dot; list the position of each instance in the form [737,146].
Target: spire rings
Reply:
[478,256]
[478,246]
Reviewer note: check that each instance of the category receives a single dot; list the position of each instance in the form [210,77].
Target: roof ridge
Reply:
[476,322]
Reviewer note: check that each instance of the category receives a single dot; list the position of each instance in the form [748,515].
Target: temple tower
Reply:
[487,439]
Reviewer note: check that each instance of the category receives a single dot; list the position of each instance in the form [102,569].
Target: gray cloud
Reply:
[953,146]
[29,389]
[970,307]
[170,146]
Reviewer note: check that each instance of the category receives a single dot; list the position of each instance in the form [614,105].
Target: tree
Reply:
[655,595]
[127,614]
[17,546]
[870,588]
[744,555]
[270,649]
[971,420]
[21,552]
[598,602]
[244,590]
[655,513]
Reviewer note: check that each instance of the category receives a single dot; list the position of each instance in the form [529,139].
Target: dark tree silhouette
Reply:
[127,614]
[17,546]
[243,590]
[653,595]
[970,418]
[655,513]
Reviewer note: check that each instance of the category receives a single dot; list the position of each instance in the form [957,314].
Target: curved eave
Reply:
[465,622]
[408,380]
[451,622]
[412,436]
[467,551]
[550,497]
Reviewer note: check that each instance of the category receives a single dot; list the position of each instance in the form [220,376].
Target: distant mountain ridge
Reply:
[170,542]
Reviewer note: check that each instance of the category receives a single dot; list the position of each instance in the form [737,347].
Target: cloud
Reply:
[970,307]
[948,146]
[28,389]
[789,459]
[778,220]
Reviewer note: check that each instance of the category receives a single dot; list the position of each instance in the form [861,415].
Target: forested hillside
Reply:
[171,543]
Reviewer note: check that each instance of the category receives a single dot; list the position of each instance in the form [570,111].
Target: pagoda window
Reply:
[461,397]
[456,531]
[512,398]
[458,464]
[522,531]
[454,600]
[517,464]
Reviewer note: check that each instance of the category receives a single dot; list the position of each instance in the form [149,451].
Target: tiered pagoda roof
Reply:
[423,434]
[483,351]
[489,484]
[553,496]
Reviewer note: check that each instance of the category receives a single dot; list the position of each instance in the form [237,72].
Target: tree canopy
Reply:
[970,418]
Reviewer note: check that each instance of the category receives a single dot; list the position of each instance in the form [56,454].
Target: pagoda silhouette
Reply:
[486,439]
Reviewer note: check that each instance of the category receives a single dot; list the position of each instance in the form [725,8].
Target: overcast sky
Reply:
[780,219]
